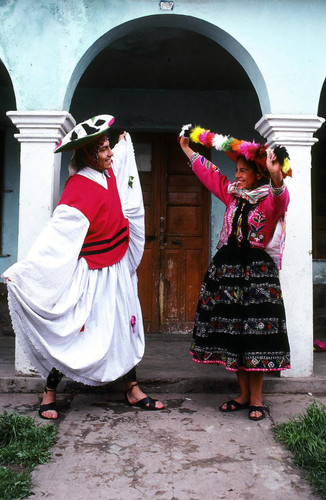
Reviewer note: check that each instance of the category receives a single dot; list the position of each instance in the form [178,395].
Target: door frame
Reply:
[153,243]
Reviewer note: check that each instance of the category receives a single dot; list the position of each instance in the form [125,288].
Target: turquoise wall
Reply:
[46,46]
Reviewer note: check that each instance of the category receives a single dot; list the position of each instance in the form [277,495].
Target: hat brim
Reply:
[85,132]
[232,155]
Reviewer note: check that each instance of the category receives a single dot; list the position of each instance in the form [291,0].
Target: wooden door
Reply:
[177,230]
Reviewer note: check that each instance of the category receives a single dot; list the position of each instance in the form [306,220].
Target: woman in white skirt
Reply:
[73,300]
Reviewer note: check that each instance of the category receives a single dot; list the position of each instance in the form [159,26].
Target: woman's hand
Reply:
[122,136]
[184,143]
[274,168]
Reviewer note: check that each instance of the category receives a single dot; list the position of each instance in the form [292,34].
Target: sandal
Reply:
[260,409]
[233,405]
[146,403]
[49,406]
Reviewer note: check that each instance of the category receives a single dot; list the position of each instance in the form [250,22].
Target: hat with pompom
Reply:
[234,148]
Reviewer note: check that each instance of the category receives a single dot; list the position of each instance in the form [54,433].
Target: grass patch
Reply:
[23,445]
[305,437]
[14,485]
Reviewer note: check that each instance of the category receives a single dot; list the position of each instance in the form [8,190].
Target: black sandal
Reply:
[232,403]
[49,406]
[142,403]
[260,409]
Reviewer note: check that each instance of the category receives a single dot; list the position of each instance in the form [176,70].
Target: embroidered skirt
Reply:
[240,320]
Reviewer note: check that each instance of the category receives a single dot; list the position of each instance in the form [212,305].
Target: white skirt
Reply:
[86,323]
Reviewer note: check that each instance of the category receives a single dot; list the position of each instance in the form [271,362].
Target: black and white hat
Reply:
[85,132]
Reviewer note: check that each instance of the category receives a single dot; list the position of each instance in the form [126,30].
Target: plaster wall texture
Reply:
[47,48]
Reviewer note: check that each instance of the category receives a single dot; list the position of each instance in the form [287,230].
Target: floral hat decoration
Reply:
[233,148]
[85,132]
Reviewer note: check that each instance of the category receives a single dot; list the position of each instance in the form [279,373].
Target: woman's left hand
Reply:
[184,143]
[274,168]
[122,136]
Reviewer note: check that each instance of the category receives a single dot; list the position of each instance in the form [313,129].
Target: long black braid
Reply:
[243,209]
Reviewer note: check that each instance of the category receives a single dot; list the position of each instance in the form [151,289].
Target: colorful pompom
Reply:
[235,145]
[248,149]
[286,166]
[252,151]
[185,130]
[206,138]
[286,169]
[195,133]
[283,158]
[227,145]
[218,140]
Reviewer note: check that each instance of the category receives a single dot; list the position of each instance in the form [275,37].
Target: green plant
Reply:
[305,437]
[14,485]
[23,444]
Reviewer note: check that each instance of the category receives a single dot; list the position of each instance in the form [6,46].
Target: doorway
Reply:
[177,232]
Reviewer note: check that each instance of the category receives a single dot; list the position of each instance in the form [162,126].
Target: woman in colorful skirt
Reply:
[240,320]
[73,300]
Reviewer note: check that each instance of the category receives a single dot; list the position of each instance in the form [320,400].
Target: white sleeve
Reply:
[52,260]
[128,183]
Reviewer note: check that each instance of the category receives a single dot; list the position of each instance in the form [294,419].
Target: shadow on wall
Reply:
[319,312]
[5,322]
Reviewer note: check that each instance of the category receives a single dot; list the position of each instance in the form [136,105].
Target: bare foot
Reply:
[256,414]
[241,400]
[48,398]
[134,394]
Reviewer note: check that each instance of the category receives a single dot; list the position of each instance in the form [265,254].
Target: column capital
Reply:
[41,126]
[289,130]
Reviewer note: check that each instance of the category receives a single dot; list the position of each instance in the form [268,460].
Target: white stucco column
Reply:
[39,132]
[295,132]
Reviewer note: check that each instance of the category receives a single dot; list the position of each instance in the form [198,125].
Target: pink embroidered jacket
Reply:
[266,221]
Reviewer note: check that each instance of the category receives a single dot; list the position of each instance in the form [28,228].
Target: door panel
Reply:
[146,286]
[172,274]
[186,240]
[176,250]
[183,220]
[148,271]
[193,277]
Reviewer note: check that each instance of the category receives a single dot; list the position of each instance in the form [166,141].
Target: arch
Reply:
[322,101]
[318,188]
[7,92]
[176,21]
[9,173]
